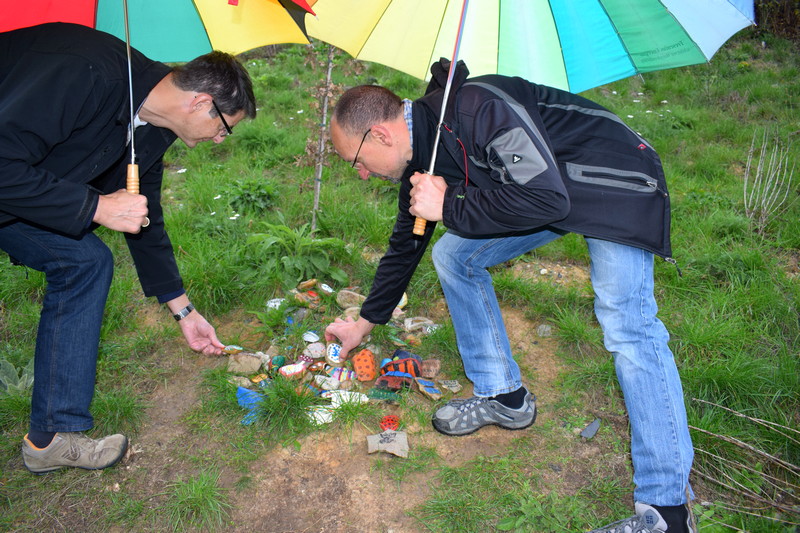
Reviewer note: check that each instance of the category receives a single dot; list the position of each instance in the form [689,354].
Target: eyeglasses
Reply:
[228,129]
[364,138]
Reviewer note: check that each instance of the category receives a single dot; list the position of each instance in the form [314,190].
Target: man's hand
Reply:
[122,211]
[349,332]
[427,196]
[200,335]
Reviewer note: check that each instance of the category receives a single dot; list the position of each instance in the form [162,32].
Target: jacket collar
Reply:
[434,94]
[426,112]
[146,74]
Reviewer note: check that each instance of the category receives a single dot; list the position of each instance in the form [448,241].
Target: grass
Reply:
[196,503]
[239,218]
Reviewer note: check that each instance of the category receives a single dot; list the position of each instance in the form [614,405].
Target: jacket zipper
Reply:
[607,177]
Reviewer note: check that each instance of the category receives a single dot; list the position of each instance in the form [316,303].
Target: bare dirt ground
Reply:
[329,483]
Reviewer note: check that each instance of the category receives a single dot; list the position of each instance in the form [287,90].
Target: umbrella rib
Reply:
[372,29]
[203,25]
[745,15]
[619,36]
[497,52]
[708,59]
[432,59]
[560,45]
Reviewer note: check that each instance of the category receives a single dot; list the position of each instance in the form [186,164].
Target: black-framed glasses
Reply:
[364,138]
[224,122]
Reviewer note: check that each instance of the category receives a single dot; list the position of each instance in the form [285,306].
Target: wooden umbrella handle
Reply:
[132,185]
[419,226]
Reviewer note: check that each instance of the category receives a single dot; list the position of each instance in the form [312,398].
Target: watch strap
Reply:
[180,315]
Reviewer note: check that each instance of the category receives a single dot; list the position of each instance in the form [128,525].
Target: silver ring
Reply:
[146,222]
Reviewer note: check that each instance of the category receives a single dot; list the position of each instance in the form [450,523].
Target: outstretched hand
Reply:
[200,335]
[350,333]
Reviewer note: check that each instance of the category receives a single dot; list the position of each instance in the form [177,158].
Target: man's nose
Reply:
[363,173]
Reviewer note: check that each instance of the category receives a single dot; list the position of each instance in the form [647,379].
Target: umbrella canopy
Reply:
[174,30]
[569,44]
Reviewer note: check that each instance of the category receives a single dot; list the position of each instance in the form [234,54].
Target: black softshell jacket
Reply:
[520,157]
[64,118]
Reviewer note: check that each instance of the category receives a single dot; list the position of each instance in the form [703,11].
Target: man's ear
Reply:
[201,102]
[382,134]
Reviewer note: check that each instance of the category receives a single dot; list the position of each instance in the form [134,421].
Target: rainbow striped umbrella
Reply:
[569,44]
[173,30]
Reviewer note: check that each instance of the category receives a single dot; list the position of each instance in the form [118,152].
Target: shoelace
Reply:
[83,442]
[631,525]
[472,402]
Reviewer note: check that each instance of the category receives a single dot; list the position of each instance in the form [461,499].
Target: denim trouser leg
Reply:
[480,332]
[661,448]
[78,273]
[622,278]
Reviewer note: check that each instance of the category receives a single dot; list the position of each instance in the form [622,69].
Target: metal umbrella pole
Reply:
[132,184]
[419,223]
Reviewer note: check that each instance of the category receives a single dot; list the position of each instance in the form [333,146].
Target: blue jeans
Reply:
[622,278]
[78,273]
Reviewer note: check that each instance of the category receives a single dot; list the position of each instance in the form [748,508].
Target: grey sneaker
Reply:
[74,450]
[462,417]
[648,519]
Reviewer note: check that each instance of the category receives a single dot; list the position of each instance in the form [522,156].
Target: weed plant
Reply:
[197,503]
[239,218]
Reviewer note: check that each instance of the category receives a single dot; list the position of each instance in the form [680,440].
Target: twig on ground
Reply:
[766,423]
[773,481]
[746,493]
[788,466]
[753,512]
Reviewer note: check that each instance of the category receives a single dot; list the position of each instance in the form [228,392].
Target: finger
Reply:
[331,336]
[213,350]
[215,342]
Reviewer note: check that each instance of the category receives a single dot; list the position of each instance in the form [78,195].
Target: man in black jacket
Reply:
[518,166]
[64,150]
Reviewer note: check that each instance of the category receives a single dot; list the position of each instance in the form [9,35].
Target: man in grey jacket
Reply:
[65,129]
[519,166]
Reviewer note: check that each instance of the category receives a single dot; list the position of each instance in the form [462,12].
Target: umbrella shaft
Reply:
[130,75]
[450,72]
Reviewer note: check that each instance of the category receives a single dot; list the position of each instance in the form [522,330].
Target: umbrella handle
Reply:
[419,226]
[133,179]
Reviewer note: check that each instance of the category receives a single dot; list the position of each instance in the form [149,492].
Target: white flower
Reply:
[217,197]
[180,171]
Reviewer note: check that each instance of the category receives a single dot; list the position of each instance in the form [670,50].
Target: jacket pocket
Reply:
[612,177]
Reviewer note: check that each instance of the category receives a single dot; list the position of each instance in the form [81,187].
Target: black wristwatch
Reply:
[183,312]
